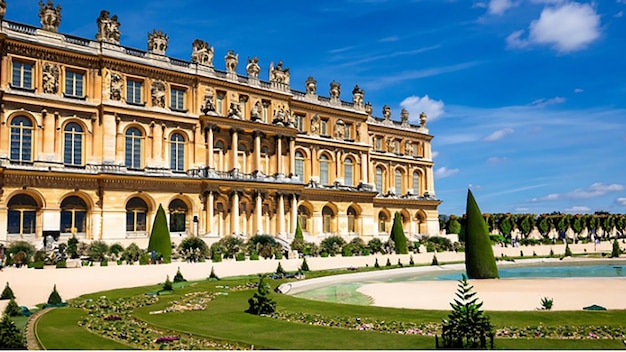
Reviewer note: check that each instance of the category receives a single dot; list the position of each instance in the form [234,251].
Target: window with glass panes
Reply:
[398,182]
[348,134]
[21,139]
[300,122]
[416,183]
[133,148]
[177,99]
[378,143]
[220,103]
[299,165]
[324,127]
[74,83]
[379,180]
[347,172]
[324,169]
[22,75]
[177,152]
[133,91]
[73,144]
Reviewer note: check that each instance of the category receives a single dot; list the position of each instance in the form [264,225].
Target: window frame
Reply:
[177,98]
[136,141]
[23,64]
[25,134]
[77,144]
[134,100]
[72,74]
[177,162]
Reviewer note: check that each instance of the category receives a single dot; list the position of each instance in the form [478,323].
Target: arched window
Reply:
[299,167]
[327,217]
[398,181]
[73,144]
[21,139]
[352,215]
[348,170]
[379,179]
[22,216]
[177,152]
[73,215]
[178,215]
[136,212]
[382,222]
[324,169]
[416,183]
[133,148]
[303,217]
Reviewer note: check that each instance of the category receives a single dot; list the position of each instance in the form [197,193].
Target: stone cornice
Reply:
[377,156]
[398,131]
[248,125]
[406,203]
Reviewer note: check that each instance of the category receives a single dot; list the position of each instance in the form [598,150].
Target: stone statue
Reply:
[158,94]
[117,83]
[202,53]
[315,125]
[207,102]
[368,109]
[423,119]
[289,119]
[357,96]
[234,110]
[252,68]
[335,91]
[157,42]
[404,117]
[231,61]
[49,16]
[279,74]
[387,112]
[3,9]
[311,86]
[108,28]
[340,130]
[255,111]
[409,149]
[279,116]
[391,145]
[50,78]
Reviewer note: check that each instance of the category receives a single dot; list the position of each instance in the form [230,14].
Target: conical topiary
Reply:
[179,276]
[12,309]
[480,262]
[298,233]
[7,293]
[305,265]
[397,235]
[54,297]
[160,241]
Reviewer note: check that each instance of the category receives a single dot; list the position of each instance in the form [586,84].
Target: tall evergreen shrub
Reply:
[397,235]
[11,337]
[54,297]
[160,241]
[480,262]
[7,293]
[260,303]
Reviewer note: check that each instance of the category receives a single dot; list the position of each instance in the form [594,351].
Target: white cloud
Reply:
[567,27]
[416,105]
[551,196]
[444,172]
[435,154]
[479,4]
[578,90]
[497,135]
[389,39]
[495,160]
[595,190]
[545,102]
[521,210]
[498,7]
[622,201]
[578,209]
[619,14]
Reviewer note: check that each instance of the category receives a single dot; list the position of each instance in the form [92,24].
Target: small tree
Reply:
[12,309]
[213,276]
[375,245]
[167,285]
[388,262]
[179,276]
[568,252]
[7,293]
[376,265]
[10,336]
[435,261]
[54,297]
[260,303]
[160,241]
[304,266]
[397,235]
[616,251]
[466,327]
[280,271]
[72,247]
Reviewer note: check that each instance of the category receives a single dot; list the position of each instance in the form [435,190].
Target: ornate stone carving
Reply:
[315,125]
[202,53]
[49,16]
[207,102]
[311,86]
[409,149]
[404,117]
[280,116]
[158,94]
[387,112]
[289,119]
[423,119]
[255,111]
[340,130]
[50,78]
[231,62]
[157,42]
[335,91]
[108,28]
[116,84]
[3,9]
[234,110]
[252,68]
[369,109]
[357,97]
[279,74]
[391,145]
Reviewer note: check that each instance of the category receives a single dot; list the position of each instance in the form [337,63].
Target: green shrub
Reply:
[324,254]
[240,257]
[366,251]
[54,298]
[217,257]
[20,246]
[304,266]
[310,248]
[264,245]
[10,335]
[104,262]
[551,253]
[332,244]
[12,309]
[400,263]
[497,238]
[397,235]
[616,251]
[167,285]
[179,276]
[72,247]
[132,253]
[439,244]
[119,262]
[375,245]
[346,251]
[97,250]
[376,265]
[230,246]
[39,256]
[254,256]
[116,249]
[278,255]
[297,245]
[546,303]
[36,265]
[260,303]
[434,261]
[356,246]
[144,259]
[160,241]
[521,253]
[568,252]
[61,264]
[480,262]
[213,276]
[280,271]
[388,262]
[192,249]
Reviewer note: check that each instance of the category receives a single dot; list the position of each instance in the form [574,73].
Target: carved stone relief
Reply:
[234,110]
[158,94]
[202,53]
[50,78]
[116,86]
[255,111]
[49,16]
[280,116]
[252,68]
[340,130]
[391,145]
[108,28]
[208,101]
[157,42]
[315,125]
[409,149]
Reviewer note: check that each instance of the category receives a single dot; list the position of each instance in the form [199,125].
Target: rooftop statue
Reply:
[357,96]
[335,91]
[157,42]
[423,119]
[369,109]
[202,53]
[231,61]
[49,16]
[387,112]
[252,68]
[108,28]
[311,86]
[404,117]
[279,74]
[3,9]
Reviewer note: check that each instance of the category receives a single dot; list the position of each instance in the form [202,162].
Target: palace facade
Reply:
[94,136]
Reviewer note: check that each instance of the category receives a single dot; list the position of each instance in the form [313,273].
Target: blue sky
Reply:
[526,98]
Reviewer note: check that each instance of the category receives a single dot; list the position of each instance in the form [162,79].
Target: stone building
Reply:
[95,135]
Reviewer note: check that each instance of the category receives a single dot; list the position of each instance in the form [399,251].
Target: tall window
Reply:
[133,148]
[323,169]
[136,211]
[348,131]
[324,127]
[177,152]
[22,75]
[74,84]
[303,217]
[416,183]
[22,215]
[177,99]
[382,222]
[378,143]
[379,179]
[300,122]
[347,172]
[21,139]
[133,92]
[398,181]
[178,215]
[300,165]
[351,220]
[220,103]
[73,215]
[73,144]
[327,217]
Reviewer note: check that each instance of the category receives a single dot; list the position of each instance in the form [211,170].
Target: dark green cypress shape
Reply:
[298,233]
[480,262]
[160,241]
[397,235]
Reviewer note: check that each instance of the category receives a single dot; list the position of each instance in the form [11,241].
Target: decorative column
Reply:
[279,155]
[234,147]
[364,168]
[258,213]
[257,150]
[294,213]
[234,213]
[210,213]
[292,157]
[281,215]
[210,160]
